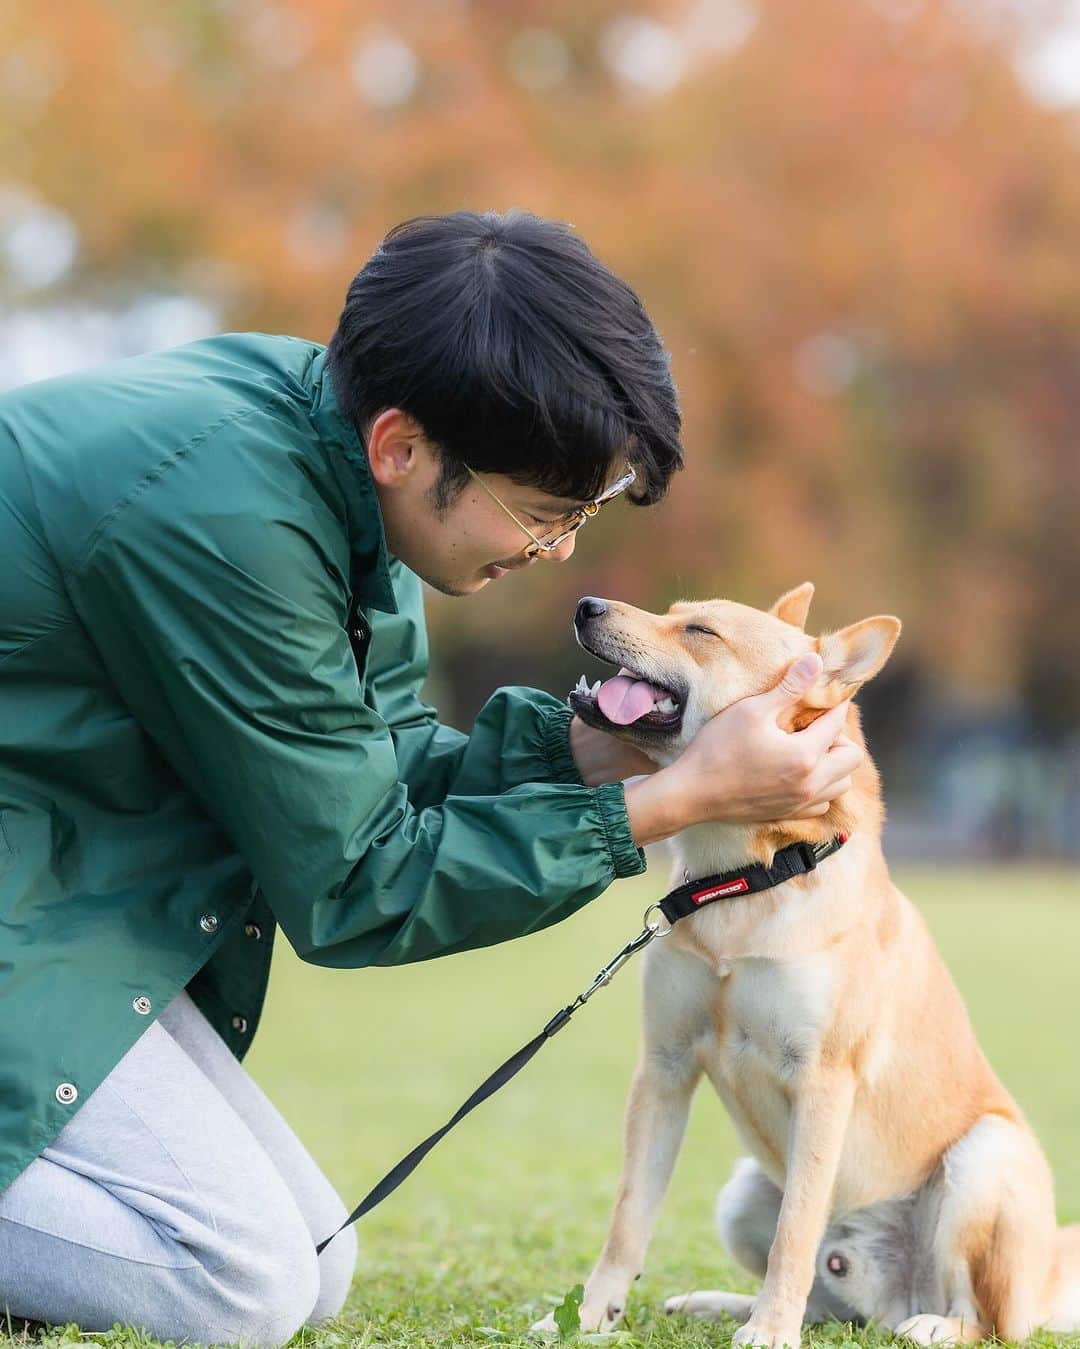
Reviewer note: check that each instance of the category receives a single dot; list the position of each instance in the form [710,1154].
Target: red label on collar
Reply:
[720,891]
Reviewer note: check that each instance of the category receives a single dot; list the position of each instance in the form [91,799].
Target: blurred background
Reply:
[854,222]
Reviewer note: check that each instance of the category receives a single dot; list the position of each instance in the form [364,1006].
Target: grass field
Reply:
[510,1211]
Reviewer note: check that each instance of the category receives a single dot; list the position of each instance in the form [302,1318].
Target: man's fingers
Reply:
[798,677]
[822,799]
[842,760]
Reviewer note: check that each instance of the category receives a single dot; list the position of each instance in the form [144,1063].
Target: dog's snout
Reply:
[589,607]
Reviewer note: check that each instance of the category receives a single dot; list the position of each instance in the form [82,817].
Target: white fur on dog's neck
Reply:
[707,849]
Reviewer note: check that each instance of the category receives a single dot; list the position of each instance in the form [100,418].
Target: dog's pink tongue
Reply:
[623,700]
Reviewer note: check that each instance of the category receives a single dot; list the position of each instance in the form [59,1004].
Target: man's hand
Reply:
[602,758]
[742,767]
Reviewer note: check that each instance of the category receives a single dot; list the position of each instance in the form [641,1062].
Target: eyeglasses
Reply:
[577,518]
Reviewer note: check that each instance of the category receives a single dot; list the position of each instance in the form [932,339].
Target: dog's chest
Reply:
[769,1018]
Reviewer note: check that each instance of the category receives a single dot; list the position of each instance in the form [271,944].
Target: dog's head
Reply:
[677,670]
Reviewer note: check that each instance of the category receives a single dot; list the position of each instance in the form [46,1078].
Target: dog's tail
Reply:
[1065,1281]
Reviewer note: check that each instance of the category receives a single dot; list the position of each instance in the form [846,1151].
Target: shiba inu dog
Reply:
[893,1178]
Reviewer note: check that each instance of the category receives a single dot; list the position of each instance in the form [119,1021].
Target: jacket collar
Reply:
[370,572]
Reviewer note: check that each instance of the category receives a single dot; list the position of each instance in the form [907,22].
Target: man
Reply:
[211,645]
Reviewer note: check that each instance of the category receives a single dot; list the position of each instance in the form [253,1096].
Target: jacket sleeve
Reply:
[520,735]
[222,629]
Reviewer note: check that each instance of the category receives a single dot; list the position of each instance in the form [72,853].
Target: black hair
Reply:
[516,350]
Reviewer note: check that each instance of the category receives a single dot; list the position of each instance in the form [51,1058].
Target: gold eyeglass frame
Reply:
[536,546]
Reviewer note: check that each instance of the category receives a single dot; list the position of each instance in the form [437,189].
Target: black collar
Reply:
[795,860]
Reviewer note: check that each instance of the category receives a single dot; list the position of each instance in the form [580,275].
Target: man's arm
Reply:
[742,767]
[222,633]
[520,735]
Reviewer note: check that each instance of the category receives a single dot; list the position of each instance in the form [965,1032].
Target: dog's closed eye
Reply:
[707,632]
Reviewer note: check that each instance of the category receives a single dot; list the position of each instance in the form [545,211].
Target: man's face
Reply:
[471,543]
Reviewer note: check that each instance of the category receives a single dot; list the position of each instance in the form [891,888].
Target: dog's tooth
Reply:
[595,688]
[581,686]
[667,705]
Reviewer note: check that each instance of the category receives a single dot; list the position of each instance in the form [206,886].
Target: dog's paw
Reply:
[927,1328]
[602,1317]
[767,1335]
[711,1305]
[590,1318]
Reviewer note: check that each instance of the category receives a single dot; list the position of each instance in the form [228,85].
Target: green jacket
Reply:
[210,724]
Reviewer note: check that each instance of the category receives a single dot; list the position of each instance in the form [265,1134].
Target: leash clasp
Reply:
[632,947]
[654,927]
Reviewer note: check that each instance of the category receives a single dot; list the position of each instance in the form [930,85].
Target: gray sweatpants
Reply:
[177,1200]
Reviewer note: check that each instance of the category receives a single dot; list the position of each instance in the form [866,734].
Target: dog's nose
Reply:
[589,607]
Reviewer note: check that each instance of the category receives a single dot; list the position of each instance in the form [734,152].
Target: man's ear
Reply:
[852,656]
[793,606]
[390,446]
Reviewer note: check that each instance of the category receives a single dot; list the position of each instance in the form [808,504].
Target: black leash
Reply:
[795,860]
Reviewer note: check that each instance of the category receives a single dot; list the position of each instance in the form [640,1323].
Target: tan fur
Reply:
[827,1022]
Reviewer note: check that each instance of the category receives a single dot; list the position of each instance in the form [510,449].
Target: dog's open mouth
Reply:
[627,700]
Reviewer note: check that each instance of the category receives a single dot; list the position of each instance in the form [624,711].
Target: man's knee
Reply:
[337,1267]
[262,1296]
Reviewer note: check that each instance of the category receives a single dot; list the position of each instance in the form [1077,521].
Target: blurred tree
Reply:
[854,226]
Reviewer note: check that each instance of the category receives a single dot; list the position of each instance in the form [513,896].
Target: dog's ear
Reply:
[856,653]
[793,605]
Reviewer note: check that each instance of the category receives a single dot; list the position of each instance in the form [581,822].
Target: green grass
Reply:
[510,1211]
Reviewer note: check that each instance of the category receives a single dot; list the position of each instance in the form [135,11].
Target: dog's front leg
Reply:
[656,1114]
[819,1122]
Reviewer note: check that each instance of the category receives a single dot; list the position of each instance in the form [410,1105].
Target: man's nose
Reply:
[589,607]
[564,551]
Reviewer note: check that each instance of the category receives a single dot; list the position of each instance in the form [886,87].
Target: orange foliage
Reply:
[857,234]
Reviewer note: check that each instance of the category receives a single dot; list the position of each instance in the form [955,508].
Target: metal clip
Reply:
[809,853]
[655,928]
[616,963]
[632,947]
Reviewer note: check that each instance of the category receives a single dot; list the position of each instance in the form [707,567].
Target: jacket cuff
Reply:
[626,857]
[555,741]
